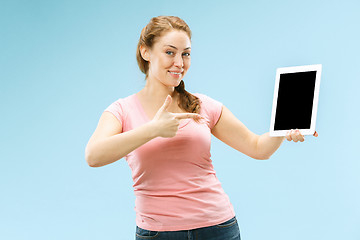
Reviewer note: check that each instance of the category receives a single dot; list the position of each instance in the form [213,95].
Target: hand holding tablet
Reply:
[295,102]
[296,136]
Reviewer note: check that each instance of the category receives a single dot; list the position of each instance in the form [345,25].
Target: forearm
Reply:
[266,145]
[111,149]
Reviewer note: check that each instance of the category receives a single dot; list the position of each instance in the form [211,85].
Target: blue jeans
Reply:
[228,230]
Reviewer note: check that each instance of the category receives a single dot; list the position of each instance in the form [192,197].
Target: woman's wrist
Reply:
[152,130]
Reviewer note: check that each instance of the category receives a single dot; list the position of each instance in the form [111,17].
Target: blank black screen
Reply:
[295,100]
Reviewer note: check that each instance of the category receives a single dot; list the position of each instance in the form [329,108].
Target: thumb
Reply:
[166,104]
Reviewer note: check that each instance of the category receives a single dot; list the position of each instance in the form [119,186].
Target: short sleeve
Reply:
[117,109]
[211,108]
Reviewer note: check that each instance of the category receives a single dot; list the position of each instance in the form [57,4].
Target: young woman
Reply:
[164,132]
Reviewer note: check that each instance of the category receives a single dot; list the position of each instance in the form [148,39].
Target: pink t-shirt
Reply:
[175,183]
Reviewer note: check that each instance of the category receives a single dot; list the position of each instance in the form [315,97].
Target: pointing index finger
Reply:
[180,116]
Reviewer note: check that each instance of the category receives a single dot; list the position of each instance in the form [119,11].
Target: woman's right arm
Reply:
[109,143]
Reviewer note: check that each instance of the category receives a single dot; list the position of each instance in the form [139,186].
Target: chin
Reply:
[178,83]
[173,83]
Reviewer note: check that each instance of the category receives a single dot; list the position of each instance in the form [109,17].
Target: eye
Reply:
[186,54]
[169,53]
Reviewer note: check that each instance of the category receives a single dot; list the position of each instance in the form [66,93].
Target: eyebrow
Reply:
[176,47]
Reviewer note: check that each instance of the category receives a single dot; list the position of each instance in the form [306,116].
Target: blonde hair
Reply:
[149,34]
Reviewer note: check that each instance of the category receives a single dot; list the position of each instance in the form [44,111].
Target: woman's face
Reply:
[169,58]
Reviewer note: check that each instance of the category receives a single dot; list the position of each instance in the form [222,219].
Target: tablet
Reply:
[295,102]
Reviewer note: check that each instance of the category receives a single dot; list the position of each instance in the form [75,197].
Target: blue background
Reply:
[63,62]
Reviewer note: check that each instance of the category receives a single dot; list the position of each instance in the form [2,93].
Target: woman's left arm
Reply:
[234,133]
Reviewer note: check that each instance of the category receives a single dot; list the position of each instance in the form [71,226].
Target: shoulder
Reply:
[127,99]
[200,95]
[121,107]
[206,100]
[210,108]
[124,101]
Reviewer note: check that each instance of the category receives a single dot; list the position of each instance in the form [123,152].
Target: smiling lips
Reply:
[175,74]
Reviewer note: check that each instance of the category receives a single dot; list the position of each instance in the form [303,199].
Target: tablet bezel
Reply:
[296,69]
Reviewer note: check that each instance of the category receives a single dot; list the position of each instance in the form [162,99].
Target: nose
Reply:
[178,61]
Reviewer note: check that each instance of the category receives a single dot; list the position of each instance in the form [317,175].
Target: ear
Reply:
[144,53]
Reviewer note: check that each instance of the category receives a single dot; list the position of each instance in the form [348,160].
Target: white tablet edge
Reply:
[315,67]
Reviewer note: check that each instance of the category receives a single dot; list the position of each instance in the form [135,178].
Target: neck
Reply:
[157,91]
